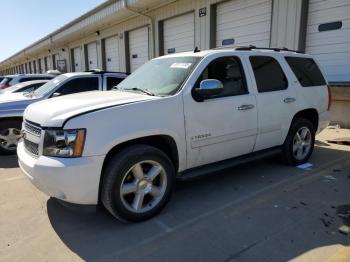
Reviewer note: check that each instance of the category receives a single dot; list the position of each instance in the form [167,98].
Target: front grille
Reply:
[30,128]
[31,147]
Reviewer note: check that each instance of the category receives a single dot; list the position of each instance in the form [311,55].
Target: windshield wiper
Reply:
[141,90]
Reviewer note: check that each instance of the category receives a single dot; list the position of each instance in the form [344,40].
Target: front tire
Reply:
[137,183]
[300,142]
[10,133]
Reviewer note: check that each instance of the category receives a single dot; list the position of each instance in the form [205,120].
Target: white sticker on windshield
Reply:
[181,65]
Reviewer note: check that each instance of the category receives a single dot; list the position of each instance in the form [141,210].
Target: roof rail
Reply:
[98,71]
[252,47]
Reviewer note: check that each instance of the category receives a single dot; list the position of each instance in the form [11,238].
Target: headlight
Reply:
[64,143]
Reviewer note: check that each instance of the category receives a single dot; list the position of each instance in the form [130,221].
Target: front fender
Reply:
[11,113]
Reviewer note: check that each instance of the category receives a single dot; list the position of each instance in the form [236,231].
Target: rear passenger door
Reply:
[276,99]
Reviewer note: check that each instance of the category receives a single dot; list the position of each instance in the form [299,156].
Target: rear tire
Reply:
[137,183]
[299,143]
[10,133]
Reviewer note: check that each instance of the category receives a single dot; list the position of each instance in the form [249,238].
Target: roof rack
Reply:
[252,47]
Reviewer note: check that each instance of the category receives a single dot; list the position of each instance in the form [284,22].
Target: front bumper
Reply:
[74,180]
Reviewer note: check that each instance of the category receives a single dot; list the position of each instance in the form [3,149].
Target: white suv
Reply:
[180,115]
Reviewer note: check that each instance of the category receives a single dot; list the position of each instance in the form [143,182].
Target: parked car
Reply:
[181,116]
[12,105]
[12,80]
[28,86]
[1,78]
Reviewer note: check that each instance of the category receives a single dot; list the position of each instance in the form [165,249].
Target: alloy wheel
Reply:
[143,186]
[302,143]
[9,138]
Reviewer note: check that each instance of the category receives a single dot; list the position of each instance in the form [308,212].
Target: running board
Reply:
[196,172]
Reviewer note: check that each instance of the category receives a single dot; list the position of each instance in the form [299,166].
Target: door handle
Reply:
[289,100]
[245,107]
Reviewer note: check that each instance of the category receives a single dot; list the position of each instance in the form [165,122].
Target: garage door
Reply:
[112,54]
[328,37]
[49,63]
[179,34]
[243,22]
[92,56]
[42,61]
[77,60]
[138,47]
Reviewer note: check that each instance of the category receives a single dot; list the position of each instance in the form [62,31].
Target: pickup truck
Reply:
[12,105]
[178,116]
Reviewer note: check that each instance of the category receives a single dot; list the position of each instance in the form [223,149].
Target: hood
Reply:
[55,111]
[11,97]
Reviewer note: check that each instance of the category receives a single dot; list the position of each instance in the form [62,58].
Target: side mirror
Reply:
[55,95]
[208,88]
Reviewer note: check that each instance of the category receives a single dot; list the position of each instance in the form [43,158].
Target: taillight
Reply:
[329,97]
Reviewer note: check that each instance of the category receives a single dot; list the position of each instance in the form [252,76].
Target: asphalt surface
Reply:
[261,211]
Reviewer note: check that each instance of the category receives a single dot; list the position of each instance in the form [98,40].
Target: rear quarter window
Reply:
[306,71]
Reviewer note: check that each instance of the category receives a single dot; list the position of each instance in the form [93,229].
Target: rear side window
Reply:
[113,82]
[79,85]
[268,74]
[306,71]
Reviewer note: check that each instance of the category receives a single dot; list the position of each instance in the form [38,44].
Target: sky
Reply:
[22,22]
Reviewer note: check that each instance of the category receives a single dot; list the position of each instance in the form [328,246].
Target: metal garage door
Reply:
[179,34]
[243,22]
[92,56]
[49,63]
[138,47]
[112,54]
[77,59]
[42,65]
[328,37]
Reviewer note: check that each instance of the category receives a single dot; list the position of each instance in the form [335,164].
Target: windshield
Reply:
[160,76]
[49,86]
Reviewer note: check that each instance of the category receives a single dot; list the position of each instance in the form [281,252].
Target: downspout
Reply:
[152,21]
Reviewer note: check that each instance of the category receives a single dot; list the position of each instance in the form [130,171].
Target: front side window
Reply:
[306,71]
[268,74]
[229,71]
[161,77]
[78,85]
[113,82]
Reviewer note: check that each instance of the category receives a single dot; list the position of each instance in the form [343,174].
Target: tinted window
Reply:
[25,79]
[229,71]
[79,85]
[268,73]
[306,71]
[28,88]
[112,82]
[6,80]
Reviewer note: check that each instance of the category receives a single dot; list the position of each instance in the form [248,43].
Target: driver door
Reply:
[225,125]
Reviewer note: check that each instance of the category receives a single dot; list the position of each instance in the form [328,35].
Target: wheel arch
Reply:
[310,114]
[164,143]
[7,118]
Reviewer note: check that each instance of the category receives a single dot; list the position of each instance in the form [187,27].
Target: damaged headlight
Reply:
[64,143]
